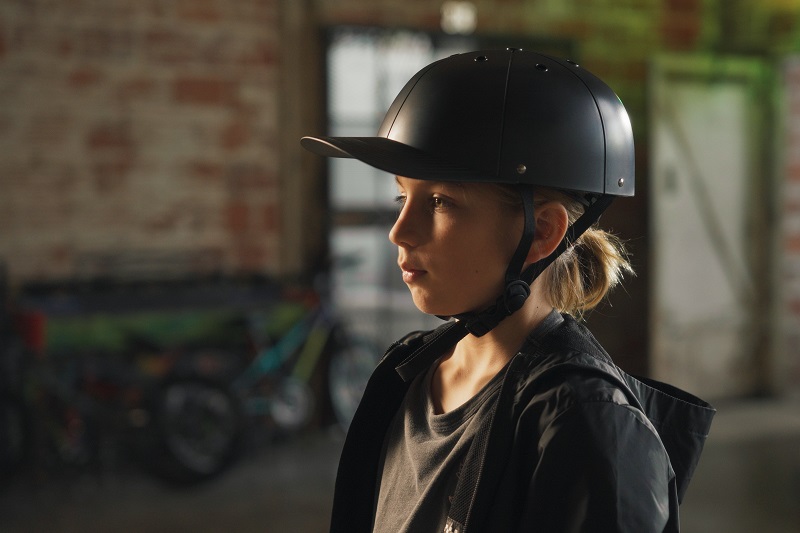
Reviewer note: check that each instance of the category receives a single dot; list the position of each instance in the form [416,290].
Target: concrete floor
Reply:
[748,482]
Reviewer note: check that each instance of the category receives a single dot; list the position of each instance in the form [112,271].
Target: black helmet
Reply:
[505,116]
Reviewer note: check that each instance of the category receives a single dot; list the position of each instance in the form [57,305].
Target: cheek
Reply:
[483,262]
[504,237]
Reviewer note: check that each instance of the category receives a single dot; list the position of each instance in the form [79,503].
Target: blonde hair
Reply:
[579,279]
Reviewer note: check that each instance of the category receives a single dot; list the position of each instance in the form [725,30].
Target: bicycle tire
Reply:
[200,427]
[350,367]
[291,404]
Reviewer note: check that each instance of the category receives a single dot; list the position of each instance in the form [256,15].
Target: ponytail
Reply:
[579,279]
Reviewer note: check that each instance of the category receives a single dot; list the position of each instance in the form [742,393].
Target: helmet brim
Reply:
[393,157]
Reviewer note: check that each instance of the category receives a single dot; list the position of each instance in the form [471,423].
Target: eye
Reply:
[400,200]
[438,203]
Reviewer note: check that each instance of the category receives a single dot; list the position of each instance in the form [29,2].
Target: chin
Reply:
[437,308]
[427,306]
[443,303]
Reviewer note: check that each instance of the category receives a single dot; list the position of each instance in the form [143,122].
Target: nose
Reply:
[404,232]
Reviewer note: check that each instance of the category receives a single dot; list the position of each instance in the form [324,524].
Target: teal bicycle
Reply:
[202,418]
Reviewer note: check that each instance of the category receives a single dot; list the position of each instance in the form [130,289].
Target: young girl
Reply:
[510,416]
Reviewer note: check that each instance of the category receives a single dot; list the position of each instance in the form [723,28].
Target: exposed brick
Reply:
[66,180]
[260,12]
[207,11]
[109,176]
[110,136]
[135,88]
[237,214]
[205,171]
[262,54]
[170,46]
[204,91]
[235,135]
[61,255]
[165,220]
[244,178]
[65,47]
[792,243]
[83,77]
[50,128]
[251,257]
[271,218]
[104,43]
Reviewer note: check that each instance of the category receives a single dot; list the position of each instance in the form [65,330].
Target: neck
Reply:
[499,345]
[474,361]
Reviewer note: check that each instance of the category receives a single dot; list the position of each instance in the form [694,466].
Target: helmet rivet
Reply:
[621,182]
[521,169]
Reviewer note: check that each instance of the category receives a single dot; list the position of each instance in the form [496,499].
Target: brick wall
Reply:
[138,133]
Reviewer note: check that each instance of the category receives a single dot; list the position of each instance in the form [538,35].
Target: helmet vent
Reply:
[480,59]
[541,67]
[571,62]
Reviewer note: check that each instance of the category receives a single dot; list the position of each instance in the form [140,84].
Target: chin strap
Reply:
[517,282]
[516,292]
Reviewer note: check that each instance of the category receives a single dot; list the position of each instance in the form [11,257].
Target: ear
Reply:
[552,221]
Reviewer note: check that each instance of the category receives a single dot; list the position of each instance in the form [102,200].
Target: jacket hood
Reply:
[681,420]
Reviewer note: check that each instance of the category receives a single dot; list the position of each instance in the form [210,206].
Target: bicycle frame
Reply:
[306,339]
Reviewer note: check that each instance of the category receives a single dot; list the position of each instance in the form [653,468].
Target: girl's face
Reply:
[454,243]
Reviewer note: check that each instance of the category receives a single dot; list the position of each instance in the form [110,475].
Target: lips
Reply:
[411,273]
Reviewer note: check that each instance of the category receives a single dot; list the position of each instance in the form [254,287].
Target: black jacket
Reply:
[574,444]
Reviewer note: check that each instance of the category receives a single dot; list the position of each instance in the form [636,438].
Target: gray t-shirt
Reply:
[423,453]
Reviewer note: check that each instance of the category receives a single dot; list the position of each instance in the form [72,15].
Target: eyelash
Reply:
[437,203]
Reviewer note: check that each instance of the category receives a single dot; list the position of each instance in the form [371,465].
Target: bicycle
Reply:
[202,418]
[64,416]
[179,387]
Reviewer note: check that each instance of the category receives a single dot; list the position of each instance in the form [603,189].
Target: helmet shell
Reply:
[504,116]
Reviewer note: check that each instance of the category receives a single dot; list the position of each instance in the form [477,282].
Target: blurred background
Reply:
[191,302]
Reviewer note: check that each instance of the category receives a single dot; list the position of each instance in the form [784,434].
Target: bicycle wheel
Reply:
[291,404]
[351,365]
[201,427]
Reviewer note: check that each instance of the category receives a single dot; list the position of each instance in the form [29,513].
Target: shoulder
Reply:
[579,406]
[569,352]
[567,373]
[551,384]
[569,361]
